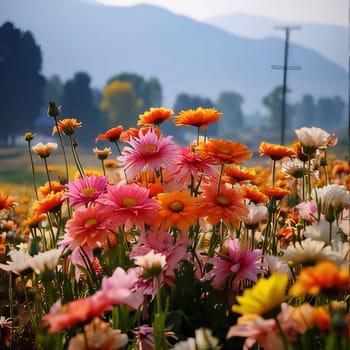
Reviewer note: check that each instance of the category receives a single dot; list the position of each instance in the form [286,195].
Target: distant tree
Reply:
[149,91]
[153,94]
[273,103]
[78,102]
[184,101]
[305,112]
[121,104]
[229,103]
[329,112]
[53,90]
[21,84]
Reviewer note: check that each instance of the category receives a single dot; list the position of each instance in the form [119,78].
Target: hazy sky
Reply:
[317,11]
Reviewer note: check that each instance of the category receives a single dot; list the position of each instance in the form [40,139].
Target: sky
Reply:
[315,11]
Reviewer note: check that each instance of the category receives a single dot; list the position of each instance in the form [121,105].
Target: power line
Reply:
[285,68]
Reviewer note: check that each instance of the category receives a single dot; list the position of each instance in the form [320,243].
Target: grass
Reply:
[21,177]
[10,153]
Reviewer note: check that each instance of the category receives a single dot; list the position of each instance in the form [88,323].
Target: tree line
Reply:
[25,93]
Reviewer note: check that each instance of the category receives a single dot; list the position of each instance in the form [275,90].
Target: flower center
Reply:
[151,148]
[225,150]
[222,200]
[176,206]
[90,222]
[89,191]
[129,202]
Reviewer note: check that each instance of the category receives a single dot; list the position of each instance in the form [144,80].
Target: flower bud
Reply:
[53,110]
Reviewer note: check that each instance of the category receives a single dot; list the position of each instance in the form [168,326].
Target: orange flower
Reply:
[111,135]
[325,276]
[154,116]
[262,176]
[339,168]
[52,202]
[299,151]
[6,202]
[178,209]
[322,318]
[149,180]
[102,154]
[126,135]
[225,152]
[254,195]
[276,192]
[275,152]
[237,174]
[35,220]
[67,126]
[112,163]
[52,186]
[200,117]
[226,205]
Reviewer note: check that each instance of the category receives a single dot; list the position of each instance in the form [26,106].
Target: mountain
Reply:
[329,40]
[185,55]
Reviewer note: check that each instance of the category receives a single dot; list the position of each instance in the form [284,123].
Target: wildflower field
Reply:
[157,245]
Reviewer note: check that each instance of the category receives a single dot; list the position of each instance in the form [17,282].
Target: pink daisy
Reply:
[162,242]
[85,191]
[77,311]
[237,264]
[120,288]
[89,225]
[130,205]
[191,165]
[308,211]
[148,151]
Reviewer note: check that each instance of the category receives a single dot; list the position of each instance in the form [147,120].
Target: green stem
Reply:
[63,148]
[75,156]
[33,171]
[283,336]
[220,177]
[11,306]
[47,173]
[103,167]
[273,172]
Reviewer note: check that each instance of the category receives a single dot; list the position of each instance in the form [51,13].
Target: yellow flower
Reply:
[67,126]
[264,298]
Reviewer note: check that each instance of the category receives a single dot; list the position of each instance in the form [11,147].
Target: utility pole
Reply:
[285,68]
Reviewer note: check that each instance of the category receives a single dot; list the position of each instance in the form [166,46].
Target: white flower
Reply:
[22,246]
[278,266]
[295,168]
[312,138]
[203,341]
[333,198]
[20,261]
[321,231]
[256,214]
[342,249]
[153,264]
[46,260]
[44,150]
[310,251]
[5,322]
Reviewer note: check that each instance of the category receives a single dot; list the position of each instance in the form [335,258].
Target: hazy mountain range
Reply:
[330,40]
[185,55]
